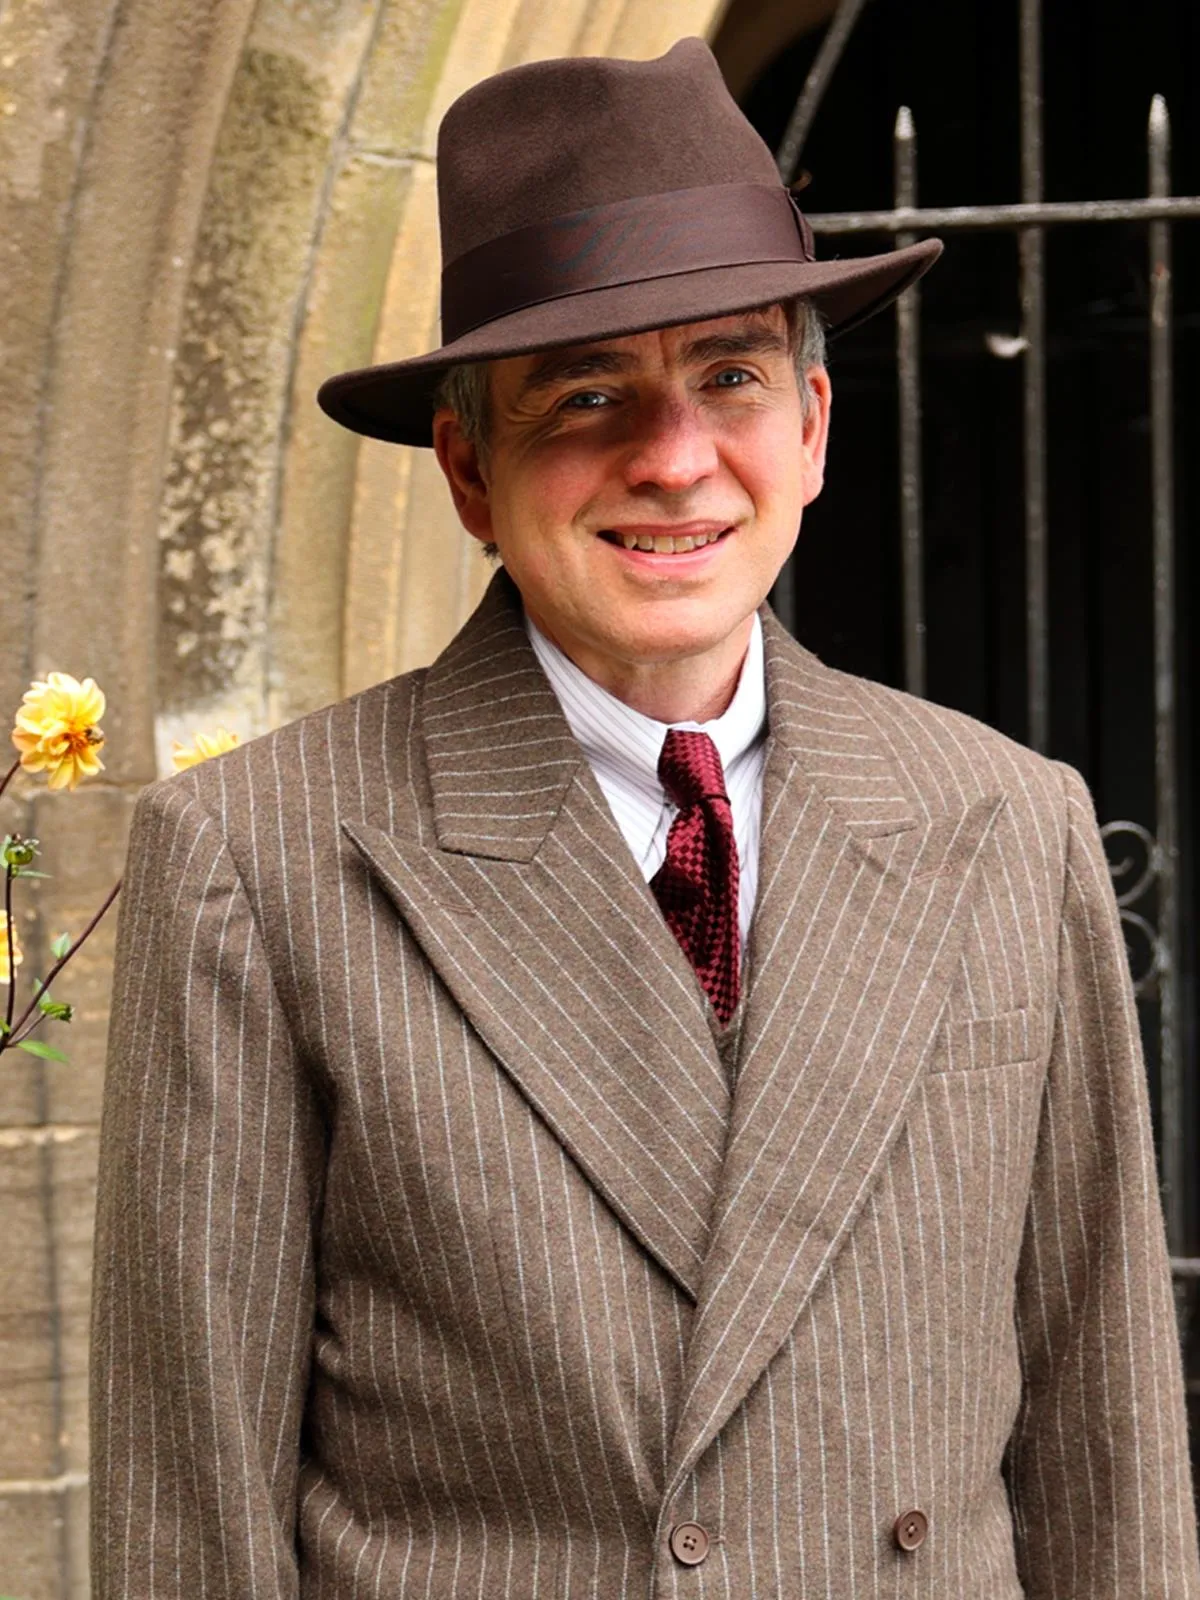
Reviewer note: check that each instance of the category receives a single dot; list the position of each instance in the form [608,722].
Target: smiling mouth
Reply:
[664,544]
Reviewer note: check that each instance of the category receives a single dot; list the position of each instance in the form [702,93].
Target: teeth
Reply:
[665,543]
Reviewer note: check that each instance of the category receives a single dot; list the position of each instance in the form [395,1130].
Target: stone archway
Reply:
[207,208]
[300,564]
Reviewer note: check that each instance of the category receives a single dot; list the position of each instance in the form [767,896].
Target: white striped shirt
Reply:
[623,747]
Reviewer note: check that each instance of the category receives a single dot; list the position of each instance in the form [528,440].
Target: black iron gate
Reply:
[1151,855]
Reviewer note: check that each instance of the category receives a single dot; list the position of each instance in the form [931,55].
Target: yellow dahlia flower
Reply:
[15,955]
[203,746]
[58,729]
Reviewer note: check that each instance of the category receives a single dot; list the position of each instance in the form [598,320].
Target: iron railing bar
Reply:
[1031,101]
[795,137]
[1165,768]
[1032,248]
[981,219]
[908,360]
[787,160]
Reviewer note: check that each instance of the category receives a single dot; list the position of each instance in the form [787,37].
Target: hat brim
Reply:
[394,401]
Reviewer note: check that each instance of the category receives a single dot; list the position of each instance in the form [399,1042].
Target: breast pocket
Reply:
[967,1044]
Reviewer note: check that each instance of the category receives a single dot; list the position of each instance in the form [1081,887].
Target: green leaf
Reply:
[58,1009]
[60,946]
[28,872]
[38,1047]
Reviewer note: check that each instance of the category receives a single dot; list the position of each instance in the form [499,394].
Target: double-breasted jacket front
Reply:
[443,1251]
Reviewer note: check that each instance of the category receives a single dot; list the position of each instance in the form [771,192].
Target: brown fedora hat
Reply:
[587,198]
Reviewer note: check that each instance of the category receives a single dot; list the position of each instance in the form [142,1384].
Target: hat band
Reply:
[629,241]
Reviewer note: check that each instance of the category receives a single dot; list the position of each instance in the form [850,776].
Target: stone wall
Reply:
[206,208]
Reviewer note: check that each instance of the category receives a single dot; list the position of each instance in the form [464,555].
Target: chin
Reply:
[671,638]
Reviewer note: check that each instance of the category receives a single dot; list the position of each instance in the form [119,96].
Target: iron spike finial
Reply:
[1159,146]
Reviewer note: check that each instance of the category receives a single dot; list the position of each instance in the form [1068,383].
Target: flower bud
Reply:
[18,852]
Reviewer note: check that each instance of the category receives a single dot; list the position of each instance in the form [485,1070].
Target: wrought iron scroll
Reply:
[1134,875]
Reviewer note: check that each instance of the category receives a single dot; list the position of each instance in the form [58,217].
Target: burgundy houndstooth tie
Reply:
[697,884]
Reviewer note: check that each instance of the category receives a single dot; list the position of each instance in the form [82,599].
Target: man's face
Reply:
[645,491]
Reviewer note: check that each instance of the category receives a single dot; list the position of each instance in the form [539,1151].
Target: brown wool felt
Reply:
[588,198]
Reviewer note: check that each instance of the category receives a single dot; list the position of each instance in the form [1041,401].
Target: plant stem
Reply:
[10,1003]
[8,776]
[57,968]
[17,1037]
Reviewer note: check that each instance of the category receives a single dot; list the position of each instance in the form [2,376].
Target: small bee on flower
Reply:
[203,747]
[58,729]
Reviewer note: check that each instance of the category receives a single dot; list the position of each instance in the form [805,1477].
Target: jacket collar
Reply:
[532,911]
[500,755]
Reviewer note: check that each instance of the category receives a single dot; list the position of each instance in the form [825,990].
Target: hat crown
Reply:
[545,140]
[591,198]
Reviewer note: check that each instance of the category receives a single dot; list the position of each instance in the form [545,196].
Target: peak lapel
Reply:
[859,923]
[533,913]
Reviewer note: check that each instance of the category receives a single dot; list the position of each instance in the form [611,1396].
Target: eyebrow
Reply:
[720,346]
[566,367]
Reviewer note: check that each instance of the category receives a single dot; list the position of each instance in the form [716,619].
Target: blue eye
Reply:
[738,375]
[585,400]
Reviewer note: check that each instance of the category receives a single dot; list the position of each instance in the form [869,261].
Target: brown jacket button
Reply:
[910,1529]
[689,1543]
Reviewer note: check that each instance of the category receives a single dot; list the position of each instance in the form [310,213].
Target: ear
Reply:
[816,432]
[459,461]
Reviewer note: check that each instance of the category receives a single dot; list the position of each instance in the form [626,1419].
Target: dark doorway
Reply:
[956,67]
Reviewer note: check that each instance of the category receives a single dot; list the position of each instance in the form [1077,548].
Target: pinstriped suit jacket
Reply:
[438,1256]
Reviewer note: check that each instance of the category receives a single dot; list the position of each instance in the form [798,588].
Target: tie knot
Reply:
[690,769]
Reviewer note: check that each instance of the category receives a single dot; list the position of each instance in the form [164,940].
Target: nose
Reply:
[671,447]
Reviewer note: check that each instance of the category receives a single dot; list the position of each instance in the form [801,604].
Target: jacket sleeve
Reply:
[211,1159]
[1098,1466]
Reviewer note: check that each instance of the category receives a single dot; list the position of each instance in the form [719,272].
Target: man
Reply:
[629,1110]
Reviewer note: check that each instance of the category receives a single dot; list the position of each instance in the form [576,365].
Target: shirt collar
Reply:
[623,743]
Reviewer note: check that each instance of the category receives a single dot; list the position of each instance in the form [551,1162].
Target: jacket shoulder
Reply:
[947,755]
[336,753]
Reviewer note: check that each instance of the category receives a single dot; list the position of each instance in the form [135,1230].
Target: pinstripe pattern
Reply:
[436,1257]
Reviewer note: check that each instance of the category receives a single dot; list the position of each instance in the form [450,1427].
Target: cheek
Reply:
[776,474]
[543,494]
[764,443]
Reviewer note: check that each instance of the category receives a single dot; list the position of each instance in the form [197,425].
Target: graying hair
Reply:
[464,388]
